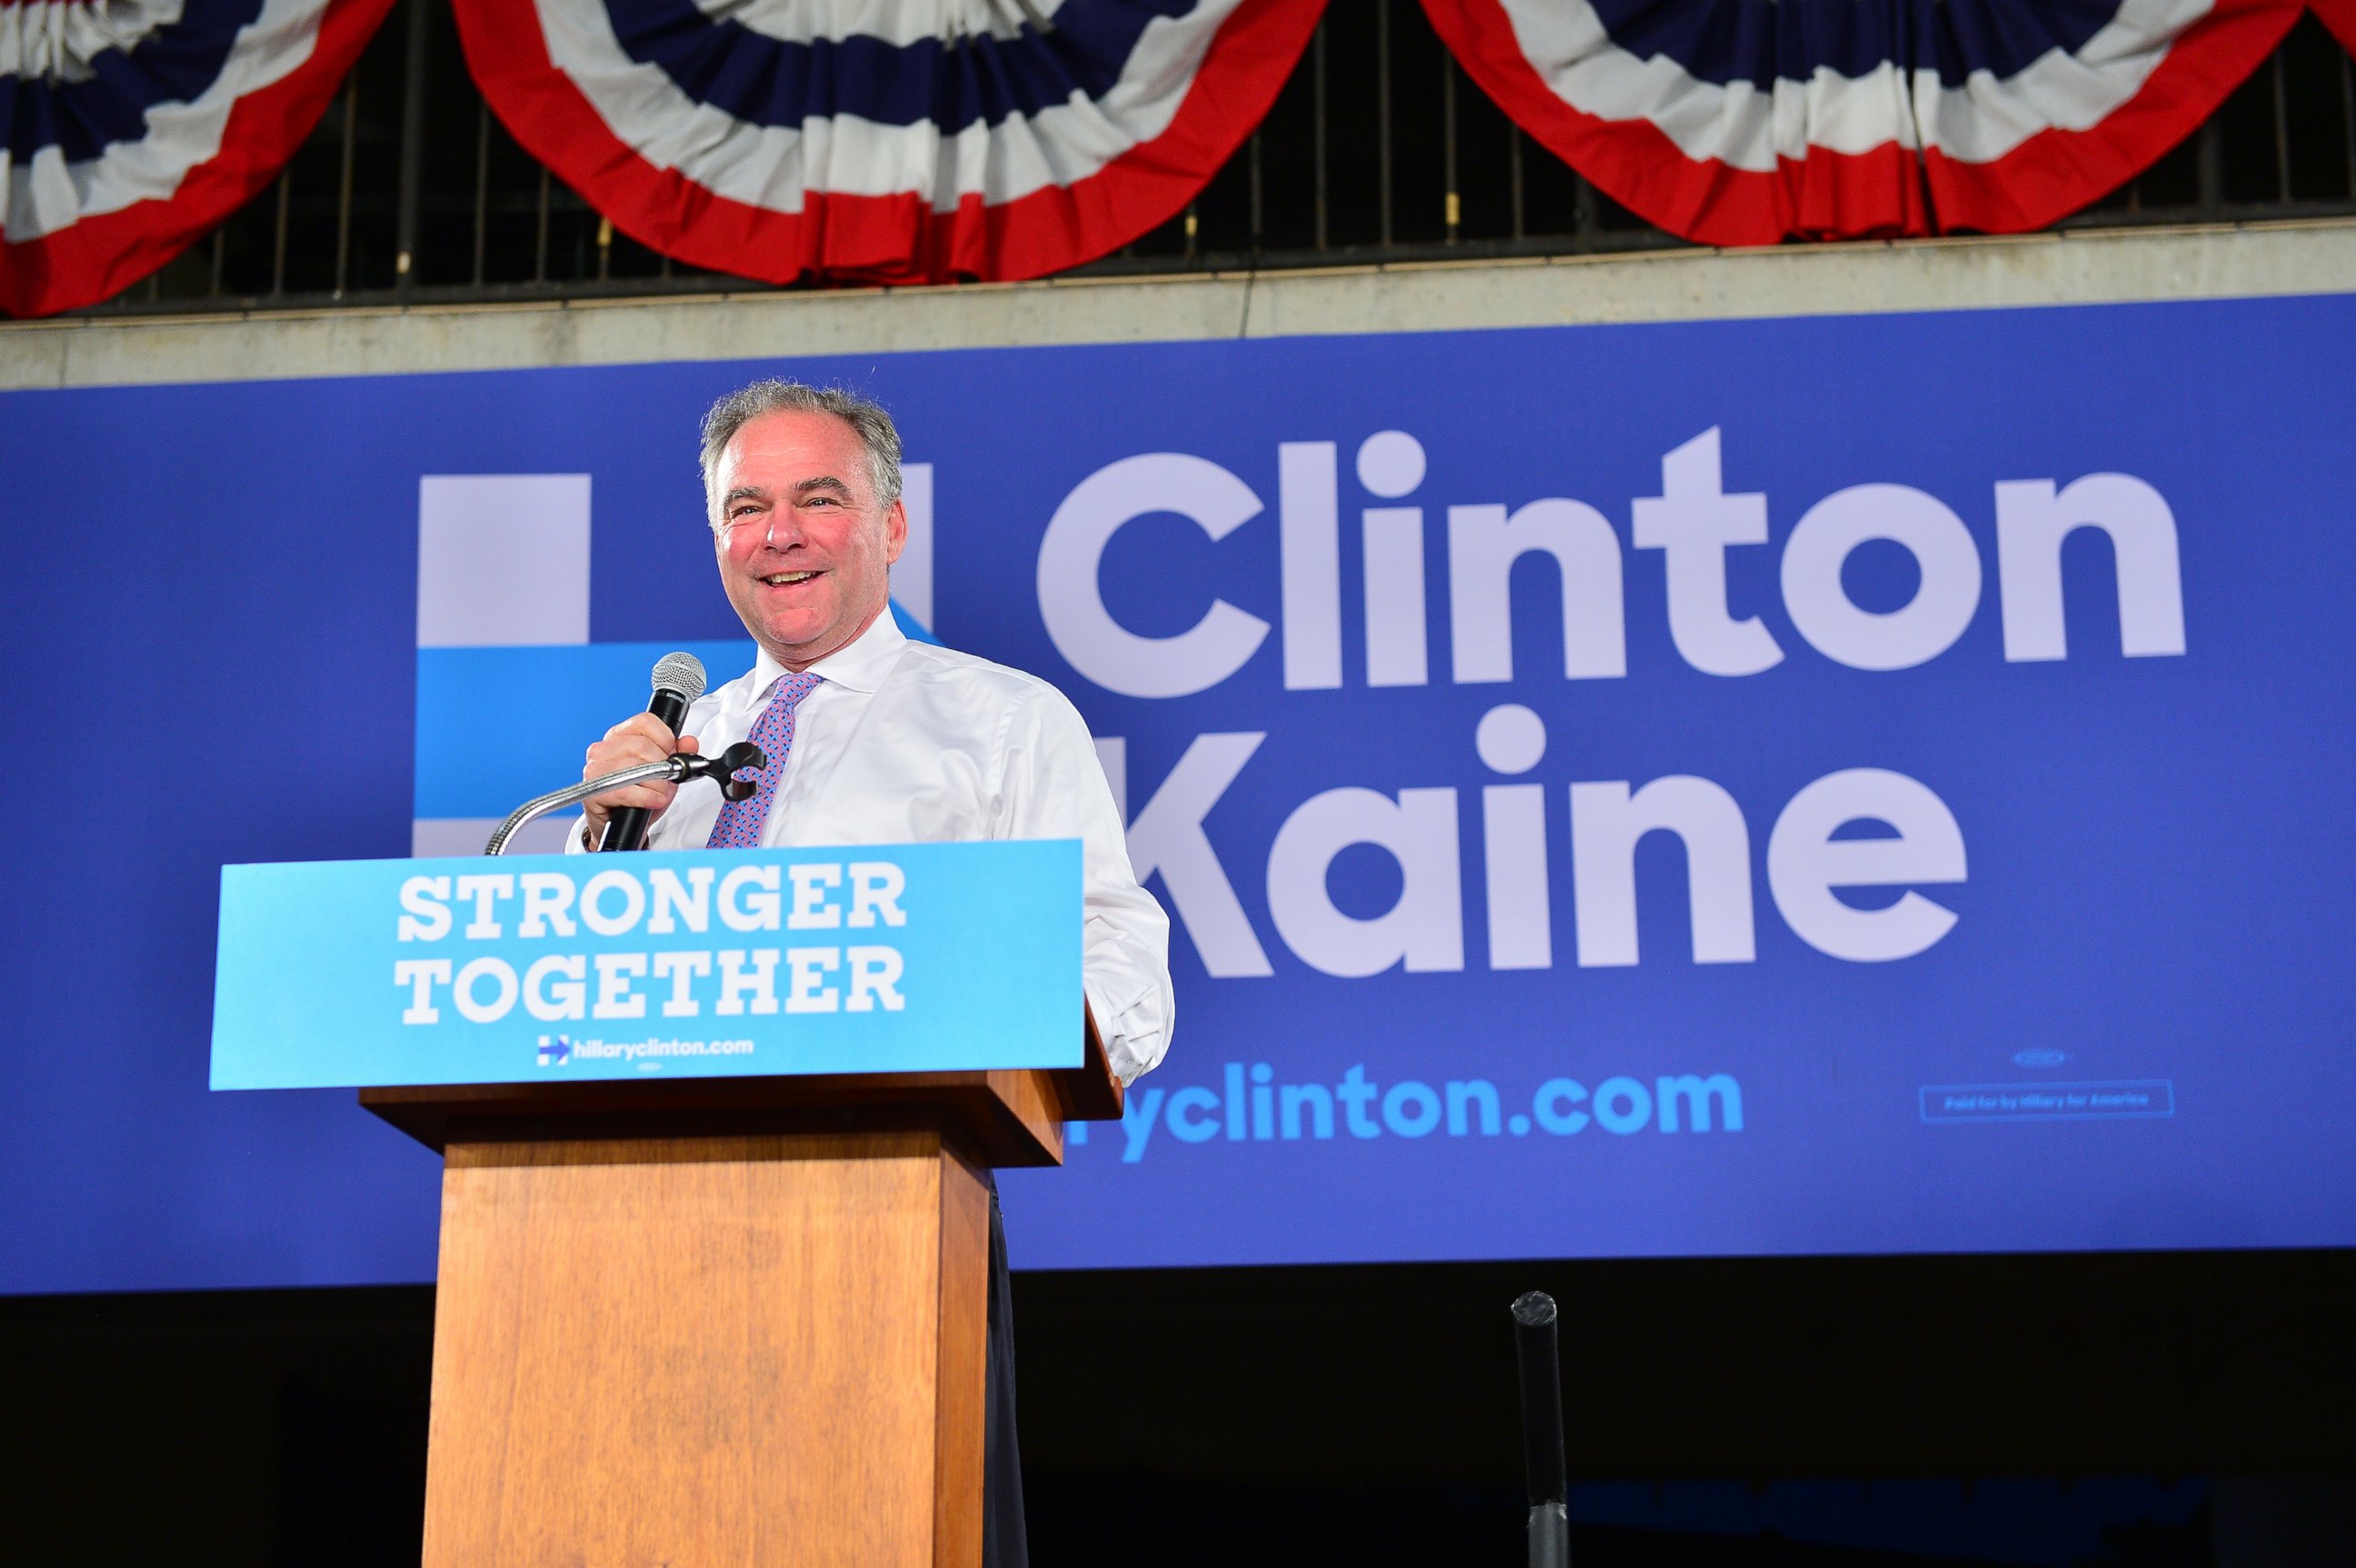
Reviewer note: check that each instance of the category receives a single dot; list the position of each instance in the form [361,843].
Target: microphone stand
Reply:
[678,769]
[1542,1444]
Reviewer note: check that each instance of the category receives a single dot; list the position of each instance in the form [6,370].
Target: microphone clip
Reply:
[742,758]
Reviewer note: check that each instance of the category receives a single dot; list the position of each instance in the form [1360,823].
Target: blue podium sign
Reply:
[908,958]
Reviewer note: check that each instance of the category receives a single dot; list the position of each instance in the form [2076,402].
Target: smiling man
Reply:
[875,739]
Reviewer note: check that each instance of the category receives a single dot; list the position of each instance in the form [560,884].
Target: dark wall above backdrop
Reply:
[1221,134]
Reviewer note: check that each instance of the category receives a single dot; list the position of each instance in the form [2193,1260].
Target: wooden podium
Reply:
[720,1321]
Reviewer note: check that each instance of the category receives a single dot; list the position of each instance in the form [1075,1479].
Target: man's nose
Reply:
[784,532]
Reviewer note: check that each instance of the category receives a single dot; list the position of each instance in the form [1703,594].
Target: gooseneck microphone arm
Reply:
[741,756]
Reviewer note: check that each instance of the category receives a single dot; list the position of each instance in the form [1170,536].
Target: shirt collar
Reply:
[860,665]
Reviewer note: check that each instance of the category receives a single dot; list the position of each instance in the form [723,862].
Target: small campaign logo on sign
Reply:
[554,1052]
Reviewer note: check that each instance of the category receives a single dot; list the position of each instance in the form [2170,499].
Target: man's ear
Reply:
[895,532]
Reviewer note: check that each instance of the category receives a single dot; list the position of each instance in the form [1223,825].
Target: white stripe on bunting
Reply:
[895,21]
[57,39]
[1989,115]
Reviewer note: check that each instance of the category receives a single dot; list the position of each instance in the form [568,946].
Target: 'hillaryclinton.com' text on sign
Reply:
[896,959]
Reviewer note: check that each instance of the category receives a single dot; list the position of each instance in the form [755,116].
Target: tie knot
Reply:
[792,689]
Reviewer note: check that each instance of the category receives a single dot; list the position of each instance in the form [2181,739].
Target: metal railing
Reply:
[410,191]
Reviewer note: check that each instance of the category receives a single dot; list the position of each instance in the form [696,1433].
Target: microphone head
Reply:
[680,673]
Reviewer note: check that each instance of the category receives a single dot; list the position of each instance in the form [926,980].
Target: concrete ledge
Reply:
[2083,267]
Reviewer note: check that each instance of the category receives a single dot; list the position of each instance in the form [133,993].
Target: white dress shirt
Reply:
[906,743]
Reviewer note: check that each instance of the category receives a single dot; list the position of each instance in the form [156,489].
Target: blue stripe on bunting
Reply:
[174,64]
[1723,41]
[761,81]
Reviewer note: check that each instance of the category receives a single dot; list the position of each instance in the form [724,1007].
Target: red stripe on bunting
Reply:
[1826,195]
[2054,172]
[2339,16]
[98,256]
[887,238]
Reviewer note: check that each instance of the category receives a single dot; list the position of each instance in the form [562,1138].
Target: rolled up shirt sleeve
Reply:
[1054,786]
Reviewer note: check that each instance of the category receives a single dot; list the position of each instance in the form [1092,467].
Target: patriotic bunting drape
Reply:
[133,127]
[890,141]
[921,141]
[1737,123]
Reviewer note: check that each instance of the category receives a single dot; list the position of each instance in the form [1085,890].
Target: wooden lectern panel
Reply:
[711,1350]
[716,1323]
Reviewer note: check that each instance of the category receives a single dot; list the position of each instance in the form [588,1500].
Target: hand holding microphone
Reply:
[619,820]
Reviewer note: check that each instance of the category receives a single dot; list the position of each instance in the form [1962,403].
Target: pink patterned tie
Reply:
[740,822]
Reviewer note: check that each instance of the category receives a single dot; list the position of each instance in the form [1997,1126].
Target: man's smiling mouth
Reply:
[785,579]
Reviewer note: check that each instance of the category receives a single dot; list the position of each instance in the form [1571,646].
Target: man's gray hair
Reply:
[868,420]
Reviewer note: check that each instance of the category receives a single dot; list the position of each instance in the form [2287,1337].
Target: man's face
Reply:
[803,547]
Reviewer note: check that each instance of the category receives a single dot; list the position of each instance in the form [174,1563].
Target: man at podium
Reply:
[874,738]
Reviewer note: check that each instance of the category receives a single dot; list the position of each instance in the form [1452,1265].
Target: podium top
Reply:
[1007,1117]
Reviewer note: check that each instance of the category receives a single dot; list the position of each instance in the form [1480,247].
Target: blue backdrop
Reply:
[2110,1008]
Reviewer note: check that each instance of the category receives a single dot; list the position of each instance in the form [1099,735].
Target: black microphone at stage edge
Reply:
[678,682]
[1542,1444]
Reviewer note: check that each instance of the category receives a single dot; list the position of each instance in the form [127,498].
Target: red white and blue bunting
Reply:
[885,141]
[133,127]
[926,141]
[1738,122]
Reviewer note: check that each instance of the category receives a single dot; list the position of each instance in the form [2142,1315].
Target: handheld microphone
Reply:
[678,682]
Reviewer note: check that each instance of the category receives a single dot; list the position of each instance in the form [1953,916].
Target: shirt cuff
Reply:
[1131,1046]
